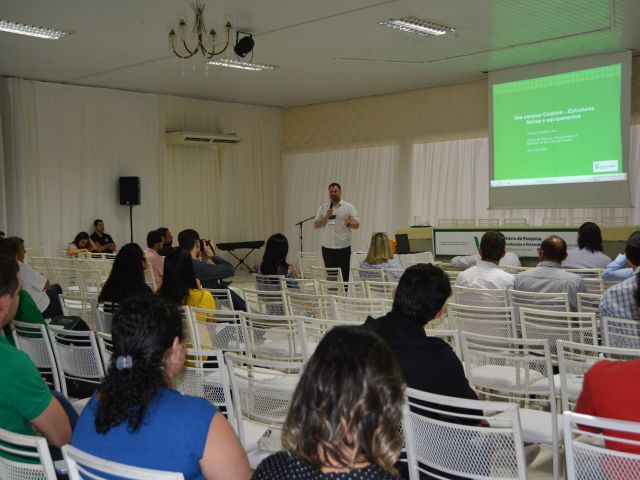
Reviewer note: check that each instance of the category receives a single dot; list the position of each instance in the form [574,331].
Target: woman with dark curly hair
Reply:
[344,414]
[136,418]
[126,279]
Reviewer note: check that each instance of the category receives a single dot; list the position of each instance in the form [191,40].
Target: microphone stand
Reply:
[299,224]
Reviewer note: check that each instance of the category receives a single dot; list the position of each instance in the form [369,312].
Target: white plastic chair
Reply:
[393,274]
[621,332]
[514,221]
[268,282]
[77,356]
[613,221]
[69,280]
[452,337]
[558,302]
[272,337]
[217,329]
[222,298]
[266,303]
[333,274]
[488,222]
[518,371]
[34,450]
[446,222]
[34,340]
[382,290]
[103,315]
[491,321]
[91,282]
[299,285]
[354,310]
[312,330]
[343,289]
[589,453]
[307,305]
[79,306]
[105,346]
[367,274]
[438,439]
[482,297]
[550,221]
[465,222]
[306,260]
[82,465]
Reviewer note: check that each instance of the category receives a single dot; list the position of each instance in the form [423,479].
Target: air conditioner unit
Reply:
[199,139]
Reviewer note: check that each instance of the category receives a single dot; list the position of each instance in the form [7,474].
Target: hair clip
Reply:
[123,362]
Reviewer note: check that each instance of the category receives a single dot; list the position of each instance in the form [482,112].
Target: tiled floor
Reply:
[540,469]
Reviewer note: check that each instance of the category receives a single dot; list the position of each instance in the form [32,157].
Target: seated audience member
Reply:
[617,271]
[486,273]
[103,241]
[28,311]
[379,254]
[27,405]
[465,261]
[42,292]
[274,260]
[81,243]
[152,254]
[344,414]
[126,279]
[167,241]
[610,390]
[619,301]
[548,277]
[589,252]
[138,419]
[180,284]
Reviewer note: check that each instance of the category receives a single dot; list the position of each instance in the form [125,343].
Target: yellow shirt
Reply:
[200,299]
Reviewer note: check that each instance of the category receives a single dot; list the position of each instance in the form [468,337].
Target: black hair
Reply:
[422,291]
[187,239]
[2,234]
[8,249]
[335,184]
[162,230]
[8,275]
[144,328]
[632,249]
[80,236]
[275,255]
[178,277]
[126,279]
[554,250]
[492,246]
[153,237]
[347,405]
[590,237]
[97,221]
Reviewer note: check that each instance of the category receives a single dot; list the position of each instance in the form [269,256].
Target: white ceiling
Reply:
[327,49]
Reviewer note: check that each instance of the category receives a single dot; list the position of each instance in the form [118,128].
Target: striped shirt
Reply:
[618,301]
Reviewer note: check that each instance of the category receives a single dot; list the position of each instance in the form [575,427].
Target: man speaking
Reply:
[337,218]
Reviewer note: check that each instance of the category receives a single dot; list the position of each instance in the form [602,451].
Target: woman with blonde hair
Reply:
[379,255]
[344,414]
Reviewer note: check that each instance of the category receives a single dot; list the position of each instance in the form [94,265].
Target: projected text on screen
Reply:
[557,129]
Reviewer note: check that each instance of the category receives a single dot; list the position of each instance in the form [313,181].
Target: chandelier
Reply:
[200,31]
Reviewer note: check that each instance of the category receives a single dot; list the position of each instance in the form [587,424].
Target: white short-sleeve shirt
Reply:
[34,283]
[335,234]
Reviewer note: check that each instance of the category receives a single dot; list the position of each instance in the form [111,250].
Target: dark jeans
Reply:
[54,307]
[338,257]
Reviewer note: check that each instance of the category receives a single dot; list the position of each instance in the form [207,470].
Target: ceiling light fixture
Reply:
[243,45]
[231,63]
[199,30]
[31,30]
[418,26]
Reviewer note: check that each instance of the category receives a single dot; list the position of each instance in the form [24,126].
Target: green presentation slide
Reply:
[562,128]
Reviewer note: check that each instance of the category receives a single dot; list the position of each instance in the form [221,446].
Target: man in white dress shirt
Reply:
[486,273]
[337,218]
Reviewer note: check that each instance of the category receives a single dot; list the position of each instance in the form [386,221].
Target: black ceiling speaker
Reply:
[243,45]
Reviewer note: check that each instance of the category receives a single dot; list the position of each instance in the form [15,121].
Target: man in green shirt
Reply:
[26,404]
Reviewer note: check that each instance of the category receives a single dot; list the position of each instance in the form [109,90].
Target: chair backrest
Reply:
[79,306]
[465,222]
[546,221]
[488,222]
[367,274]
[575,359]
[261,389]
[91,281]
[514,221]
[299,285]
[393,274]
[611,221]
[34,460]
[217,329]
[77,356]
[306,260]
[452,337]
[333,274]
[312,330]
[482,297]
[446,222]
[589,302]
[492,321]
[265,302]
[190,335]
[354,310]
[594,285]
[382,290]
[105,346]
[587,457]
[542,301]
[272,337]
[69,280]
[205,375]
[222,297]
[268,282]
[343,289]
[34,340]
[103,315]
[554,326]
[307,305]
[83,465]
[621,332]
[586,272]
[445,443]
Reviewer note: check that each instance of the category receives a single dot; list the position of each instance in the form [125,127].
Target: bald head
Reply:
[553,249]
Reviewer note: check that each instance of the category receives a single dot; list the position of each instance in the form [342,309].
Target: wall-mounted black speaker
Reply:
[129,190]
